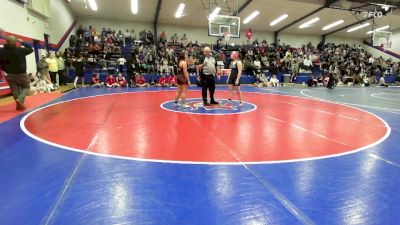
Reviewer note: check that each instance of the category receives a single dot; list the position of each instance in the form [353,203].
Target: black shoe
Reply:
[206,104]
[214,103]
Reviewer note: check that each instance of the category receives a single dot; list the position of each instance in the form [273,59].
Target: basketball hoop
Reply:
[227,36]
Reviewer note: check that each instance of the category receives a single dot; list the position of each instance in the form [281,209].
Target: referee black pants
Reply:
[208,82]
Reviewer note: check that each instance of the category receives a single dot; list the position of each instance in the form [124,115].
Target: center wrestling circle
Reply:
[276,128]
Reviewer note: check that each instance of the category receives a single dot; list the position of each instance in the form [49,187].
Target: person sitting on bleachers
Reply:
[163,37]
[110,81]
[121,38]
[149,37]
[140,81]
[174,39]
[172,80]
[165,66]
[116,49]
[109,40]
[163,82]
[184,40]
[86,36]
[128,37]
[308,65]
[121,81]
[95,82]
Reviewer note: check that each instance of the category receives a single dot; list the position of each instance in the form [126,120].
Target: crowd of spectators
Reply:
[346,64]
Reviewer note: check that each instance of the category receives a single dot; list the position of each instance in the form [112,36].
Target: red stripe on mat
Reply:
[8,111]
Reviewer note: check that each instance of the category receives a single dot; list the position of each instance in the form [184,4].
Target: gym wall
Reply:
[17,19]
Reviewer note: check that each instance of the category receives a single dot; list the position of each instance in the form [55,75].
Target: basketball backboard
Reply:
[224,24]
[382,39]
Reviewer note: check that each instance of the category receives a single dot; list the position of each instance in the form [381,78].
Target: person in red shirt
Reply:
[163,82]
[121,81]
[140,81]
[96,81]
[172,80]
[110,81]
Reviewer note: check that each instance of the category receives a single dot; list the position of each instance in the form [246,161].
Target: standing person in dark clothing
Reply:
[182,80]
[79,64]
[13,61]
[236,67]
[331,81]
[207,76]
[131,70]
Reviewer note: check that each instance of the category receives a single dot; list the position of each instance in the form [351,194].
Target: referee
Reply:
[207,77]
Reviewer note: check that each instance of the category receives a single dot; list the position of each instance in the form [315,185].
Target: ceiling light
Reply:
[252,16]
[179,12]
[214,13]
[378,29]
[329,26]
[358,27]
[134,6]
[276,21]
[308,23]
[382,28]
[93,5]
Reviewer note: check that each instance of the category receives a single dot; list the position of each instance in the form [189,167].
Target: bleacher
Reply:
[246,78]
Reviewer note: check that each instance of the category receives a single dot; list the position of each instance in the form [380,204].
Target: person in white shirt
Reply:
[274,81]
[371,60]
[121,62]
[382,82]
[257,63]
[307,63]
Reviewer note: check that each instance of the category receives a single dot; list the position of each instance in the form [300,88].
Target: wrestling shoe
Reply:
[214,103]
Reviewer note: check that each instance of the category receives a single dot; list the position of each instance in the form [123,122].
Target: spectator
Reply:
[13,60]
[53,69]
[79,32]
[382,82]
[140,81]
[79,65]
[162,82]
[43,68]
[308,64]
[61,69]
[110,81]
[274,81]
[163,37]
[121,81]
[128,37]
[172,80]
[96,81]
[121,62]
[312,81]
[121,38]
